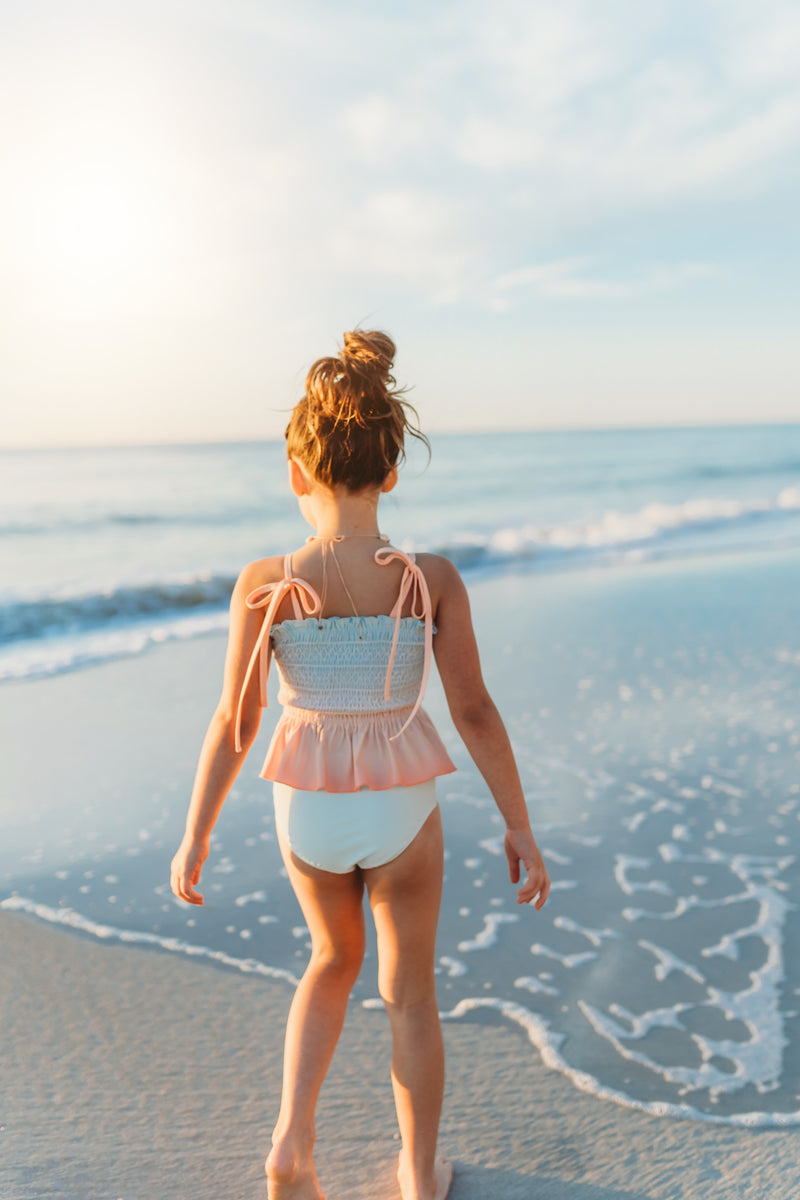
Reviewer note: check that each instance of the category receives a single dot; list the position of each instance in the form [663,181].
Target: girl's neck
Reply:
[342,529]
[346,516]
[342,537]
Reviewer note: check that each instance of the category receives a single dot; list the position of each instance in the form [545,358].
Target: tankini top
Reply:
[351,689]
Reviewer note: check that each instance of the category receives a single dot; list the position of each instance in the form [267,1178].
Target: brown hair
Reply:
[349,428]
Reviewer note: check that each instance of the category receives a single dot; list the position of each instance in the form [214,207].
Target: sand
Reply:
[130,1075]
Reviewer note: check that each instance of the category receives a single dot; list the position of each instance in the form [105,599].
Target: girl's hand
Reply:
[520,847]
[186,867]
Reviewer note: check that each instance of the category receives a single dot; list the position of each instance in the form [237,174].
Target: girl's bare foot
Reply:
[289,1179]
[443,1177]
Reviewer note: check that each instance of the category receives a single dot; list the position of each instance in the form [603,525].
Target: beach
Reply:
[637,1038]
[131,1075]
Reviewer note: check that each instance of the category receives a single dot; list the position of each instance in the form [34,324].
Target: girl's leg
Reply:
[333,909]
[405,895]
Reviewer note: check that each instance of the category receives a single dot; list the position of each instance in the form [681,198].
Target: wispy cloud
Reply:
[624,105]
[408,235]
[760,43]
[539,121]
[571,279]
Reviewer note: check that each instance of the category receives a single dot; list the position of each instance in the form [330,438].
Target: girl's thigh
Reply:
[405,895]
[332,905]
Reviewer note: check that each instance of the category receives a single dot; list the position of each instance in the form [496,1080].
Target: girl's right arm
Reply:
[219,762]
[481,727]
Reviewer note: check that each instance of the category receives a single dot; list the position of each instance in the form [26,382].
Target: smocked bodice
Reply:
[340,664]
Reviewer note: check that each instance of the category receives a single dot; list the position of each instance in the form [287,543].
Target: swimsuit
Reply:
[353,757]
[341,831]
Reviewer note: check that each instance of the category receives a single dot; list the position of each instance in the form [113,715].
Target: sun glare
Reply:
[93,231]
[97,203]
[94,226]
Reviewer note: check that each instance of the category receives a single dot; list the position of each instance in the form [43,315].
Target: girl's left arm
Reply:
[481,727]
[219,763]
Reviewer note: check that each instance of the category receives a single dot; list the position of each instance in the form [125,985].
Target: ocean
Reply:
[108,551]
[651,697]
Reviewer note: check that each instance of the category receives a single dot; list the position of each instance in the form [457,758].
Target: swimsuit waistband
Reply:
[312,716]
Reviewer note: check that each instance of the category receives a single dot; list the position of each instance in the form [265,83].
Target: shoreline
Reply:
[497,1012]
[135,638]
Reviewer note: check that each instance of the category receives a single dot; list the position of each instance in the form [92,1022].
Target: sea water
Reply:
[106,551]
[653,713]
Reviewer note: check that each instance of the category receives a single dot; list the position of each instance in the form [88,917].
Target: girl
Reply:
[353,624]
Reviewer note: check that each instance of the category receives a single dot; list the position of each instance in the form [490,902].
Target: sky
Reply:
[567,214]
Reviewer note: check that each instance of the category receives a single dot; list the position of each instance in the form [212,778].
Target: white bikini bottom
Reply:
[338,831]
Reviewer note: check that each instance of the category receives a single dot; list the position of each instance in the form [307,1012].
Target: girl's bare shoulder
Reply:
[441,575]
[258,573]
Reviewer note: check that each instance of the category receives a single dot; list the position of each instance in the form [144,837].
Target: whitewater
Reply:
[109,551]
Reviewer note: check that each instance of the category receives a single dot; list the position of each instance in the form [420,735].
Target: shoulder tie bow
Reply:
[269,596]
[414,584]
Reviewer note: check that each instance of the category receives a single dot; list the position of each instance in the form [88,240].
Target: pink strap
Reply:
[269,596]
[413,582]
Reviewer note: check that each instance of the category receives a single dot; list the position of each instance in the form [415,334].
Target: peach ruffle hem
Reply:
[344,752]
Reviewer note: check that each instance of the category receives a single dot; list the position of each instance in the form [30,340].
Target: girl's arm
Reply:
[219,763]
[482,730]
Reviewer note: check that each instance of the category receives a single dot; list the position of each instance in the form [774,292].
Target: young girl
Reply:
[353,624]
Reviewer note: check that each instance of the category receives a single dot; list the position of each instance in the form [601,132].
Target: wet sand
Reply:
[131,1075]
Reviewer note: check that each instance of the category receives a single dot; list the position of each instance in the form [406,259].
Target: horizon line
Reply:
[478,431]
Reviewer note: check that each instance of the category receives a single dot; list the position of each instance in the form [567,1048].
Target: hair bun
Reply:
[368,353]
[349,428]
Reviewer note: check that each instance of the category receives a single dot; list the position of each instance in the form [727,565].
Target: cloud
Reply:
[408,235]
[632,109]
[539,121]
[665,155]
[760,43]
[569,279]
